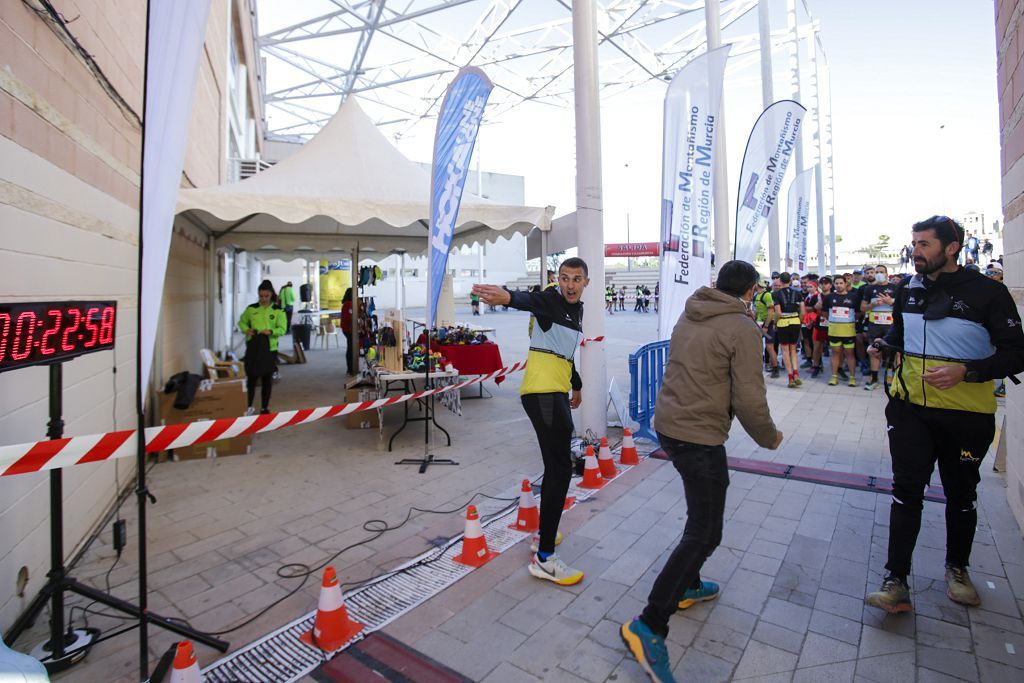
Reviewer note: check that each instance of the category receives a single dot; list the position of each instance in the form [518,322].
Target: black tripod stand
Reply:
[66,648]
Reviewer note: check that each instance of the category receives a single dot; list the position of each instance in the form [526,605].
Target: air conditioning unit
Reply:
[250,167]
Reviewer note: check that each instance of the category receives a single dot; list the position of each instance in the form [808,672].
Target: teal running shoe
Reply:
[708,590]
[648,649]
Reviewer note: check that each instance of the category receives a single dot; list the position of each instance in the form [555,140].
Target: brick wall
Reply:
[69,185]
[1010,49]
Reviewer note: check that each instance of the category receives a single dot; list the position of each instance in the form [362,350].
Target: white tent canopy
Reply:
[348,185]
[562,236]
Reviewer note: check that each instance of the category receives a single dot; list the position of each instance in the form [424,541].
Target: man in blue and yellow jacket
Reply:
[956,331]
[550,376]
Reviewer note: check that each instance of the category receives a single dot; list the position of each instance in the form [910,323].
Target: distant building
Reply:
[974,222]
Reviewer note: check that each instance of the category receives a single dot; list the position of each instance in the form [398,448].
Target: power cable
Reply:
[59,24]
[296,570]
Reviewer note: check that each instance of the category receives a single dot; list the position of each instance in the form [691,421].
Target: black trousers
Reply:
[266,385]
[350,342]
[918,438]
[552,420]
[705,474]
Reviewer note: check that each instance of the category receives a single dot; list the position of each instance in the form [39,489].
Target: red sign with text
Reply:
[631,249]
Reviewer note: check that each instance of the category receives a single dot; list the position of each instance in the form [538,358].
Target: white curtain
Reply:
[177,29]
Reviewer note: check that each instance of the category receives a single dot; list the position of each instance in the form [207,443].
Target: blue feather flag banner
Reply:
[458,123]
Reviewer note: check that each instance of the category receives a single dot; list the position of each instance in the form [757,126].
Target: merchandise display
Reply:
[418,358]
[453,336]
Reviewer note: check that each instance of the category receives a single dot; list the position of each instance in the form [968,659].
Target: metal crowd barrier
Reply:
[646,371]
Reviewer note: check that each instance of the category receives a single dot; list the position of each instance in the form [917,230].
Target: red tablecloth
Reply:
[473,359]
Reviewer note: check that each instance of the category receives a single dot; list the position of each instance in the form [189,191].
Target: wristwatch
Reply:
[972,376]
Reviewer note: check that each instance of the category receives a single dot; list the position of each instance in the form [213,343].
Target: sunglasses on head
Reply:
[957,230]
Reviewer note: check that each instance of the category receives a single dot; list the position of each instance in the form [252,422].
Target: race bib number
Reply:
[882,318]
[842,312]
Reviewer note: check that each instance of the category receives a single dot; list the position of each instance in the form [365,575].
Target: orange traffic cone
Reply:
[185,668]
[332,628]
[591,472]
[475,552]
[569,502]
[529,515]
[605,462]
[628,455]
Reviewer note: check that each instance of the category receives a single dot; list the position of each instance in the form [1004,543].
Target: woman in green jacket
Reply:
[262,323]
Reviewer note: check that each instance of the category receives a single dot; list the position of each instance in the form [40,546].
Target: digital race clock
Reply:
[36,333]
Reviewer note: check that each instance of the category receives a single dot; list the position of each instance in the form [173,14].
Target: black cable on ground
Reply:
[377,527]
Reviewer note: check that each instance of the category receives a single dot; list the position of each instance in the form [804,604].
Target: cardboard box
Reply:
[214,400]
[367,419]
[240,445]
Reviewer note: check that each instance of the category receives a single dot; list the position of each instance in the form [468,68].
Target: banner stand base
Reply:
[75,646]
[426,462]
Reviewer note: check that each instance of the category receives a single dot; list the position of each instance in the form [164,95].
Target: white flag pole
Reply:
[794,66]
[723,250]
[820,134]
[767,97]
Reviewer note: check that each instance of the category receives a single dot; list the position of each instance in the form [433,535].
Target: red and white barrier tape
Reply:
[595,339]
[78,450]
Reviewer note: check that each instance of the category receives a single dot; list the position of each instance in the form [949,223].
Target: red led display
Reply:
[35,333]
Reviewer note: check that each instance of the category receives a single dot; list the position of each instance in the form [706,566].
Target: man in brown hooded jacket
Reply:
[713,373]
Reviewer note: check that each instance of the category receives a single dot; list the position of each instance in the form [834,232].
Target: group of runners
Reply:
[808,319]
[615,299]
[818,317]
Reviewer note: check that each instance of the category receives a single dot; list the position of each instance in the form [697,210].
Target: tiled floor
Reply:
[795,561]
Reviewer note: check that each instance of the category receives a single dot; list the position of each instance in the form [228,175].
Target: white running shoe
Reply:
[250,411]
[535,542]
[555,570]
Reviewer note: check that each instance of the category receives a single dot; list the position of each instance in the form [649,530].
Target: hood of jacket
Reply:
[945,280]
[707,303]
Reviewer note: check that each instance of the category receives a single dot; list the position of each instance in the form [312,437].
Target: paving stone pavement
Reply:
[795,561]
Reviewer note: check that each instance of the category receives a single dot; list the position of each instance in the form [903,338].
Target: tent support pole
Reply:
[543,259]
[211,293]
[353,348]
[234,226]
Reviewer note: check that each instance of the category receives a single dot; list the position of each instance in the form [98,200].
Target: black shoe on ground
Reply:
[775,372]
[815,372]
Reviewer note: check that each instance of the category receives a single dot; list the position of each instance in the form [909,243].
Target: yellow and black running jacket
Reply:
[553,341]
[962,318]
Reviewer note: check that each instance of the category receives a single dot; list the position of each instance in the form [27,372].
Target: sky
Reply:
[914,119]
